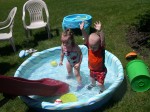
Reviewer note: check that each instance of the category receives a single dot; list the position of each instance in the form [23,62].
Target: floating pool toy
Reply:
[131,55]
[69,97]
[58,101]
[54,63]
[22,87]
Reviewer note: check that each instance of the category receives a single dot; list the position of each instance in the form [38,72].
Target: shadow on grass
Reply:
[33,40]
[5,67]
[40,36]
[3,101]
[31,110]
[6,50]
[6,99]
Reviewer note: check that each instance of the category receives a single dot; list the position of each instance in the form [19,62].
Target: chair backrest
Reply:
[10,19]
[35,9]
[12,16]
[8,24]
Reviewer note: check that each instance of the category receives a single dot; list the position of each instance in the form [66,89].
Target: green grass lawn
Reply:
[115,15]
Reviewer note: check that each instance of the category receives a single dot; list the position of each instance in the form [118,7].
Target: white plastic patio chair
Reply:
[8,25]
[38,14]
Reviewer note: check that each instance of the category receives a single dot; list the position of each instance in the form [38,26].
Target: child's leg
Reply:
[93,84]
[101,78]
[77,74]
[69,69]
[102,87]
[93,81]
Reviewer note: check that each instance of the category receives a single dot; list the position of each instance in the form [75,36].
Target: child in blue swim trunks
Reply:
[74,56]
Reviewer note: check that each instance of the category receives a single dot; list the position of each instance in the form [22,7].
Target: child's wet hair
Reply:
[68,34]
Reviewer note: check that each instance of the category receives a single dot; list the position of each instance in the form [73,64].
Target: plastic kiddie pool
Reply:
[38,66]
[73,21]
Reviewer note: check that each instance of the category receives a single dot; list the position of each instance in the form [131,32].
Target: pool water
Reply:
[44,69]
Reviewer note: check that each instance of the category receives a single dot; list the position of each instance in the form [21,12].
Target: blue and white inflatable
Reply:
[38,67]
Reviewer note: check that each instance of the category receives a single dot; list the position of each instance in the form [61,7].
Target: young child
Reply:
[74,56]
[96,55]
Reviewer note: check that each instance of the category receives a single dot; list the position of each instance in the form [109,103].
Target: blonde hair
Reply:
[68,34]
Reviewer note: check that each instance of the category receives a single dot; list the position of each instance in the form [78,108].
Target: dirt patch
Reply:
[138,35]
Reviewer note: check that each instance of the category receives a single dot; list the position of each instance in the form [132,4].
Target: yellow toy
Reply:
[68,97]
[53,63]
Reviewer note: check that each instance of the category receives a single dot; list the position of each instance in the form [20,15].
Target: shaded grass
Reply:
[115,16]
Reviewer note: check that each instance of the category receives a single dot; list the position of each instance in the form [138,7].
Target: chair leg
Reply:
[27,32]
[48,31]
[13,44]
[30,32]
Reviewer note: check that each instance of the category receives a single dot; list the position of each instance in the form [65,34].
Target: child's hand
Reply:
[82,25]
[60,64]
[97,25]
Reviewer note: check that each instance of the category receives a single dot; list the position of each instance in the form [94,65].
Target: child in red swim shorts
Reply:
[96,55]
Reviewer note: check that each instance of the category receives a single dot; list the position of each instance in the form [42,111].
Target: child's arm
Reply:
[98,27]
[84,33]
[61,57]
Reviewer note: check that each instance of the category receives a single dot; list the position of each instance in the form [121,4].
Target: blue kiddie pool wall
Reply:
[88,101]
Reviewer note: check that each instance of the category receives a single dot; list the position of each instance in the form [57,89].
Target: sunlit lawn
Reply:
[115,15]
